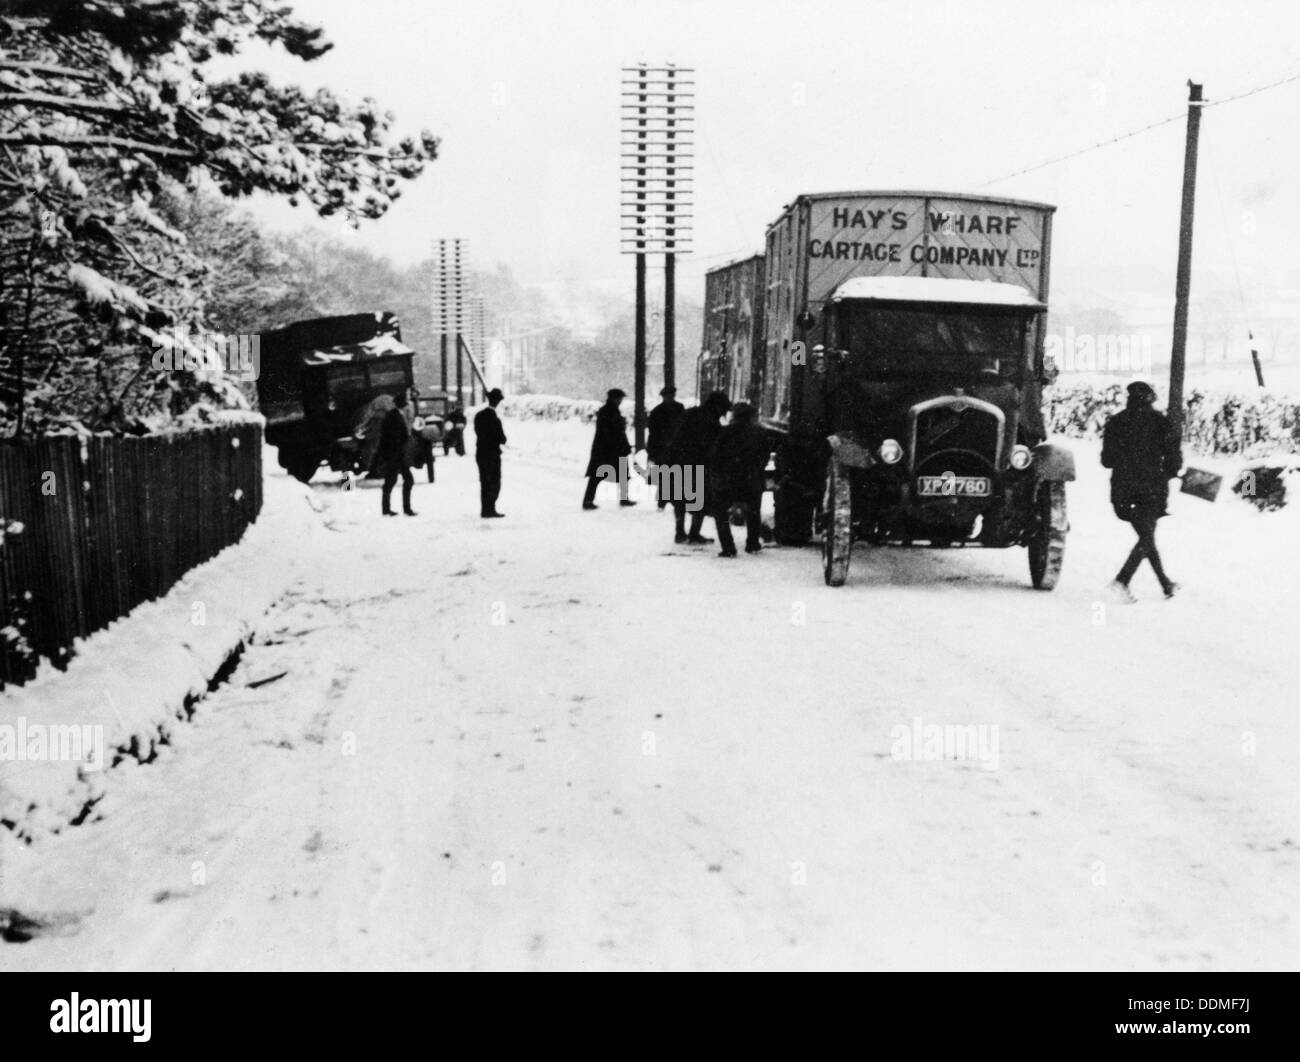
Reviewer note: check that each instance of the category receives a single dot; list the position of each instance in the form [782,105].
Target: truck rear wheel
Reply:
[837,539]
[1047,547]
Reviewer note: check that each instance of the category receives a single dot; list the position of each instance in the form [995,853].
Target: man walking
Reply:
[609,450]
[661,424]
[688,456]
[489,437]
[394,440]
[1143,451]
[738,474]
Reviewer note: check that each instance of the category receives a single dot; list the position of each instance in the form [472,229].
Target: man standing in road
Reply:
[661,424]
[738,474]
[489,438]
[692,448]
[392,455]
[1142,449]
[609,450]
[455,436]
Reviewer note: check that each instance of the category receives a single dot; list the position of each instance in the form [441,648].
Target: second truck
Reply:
[892,343]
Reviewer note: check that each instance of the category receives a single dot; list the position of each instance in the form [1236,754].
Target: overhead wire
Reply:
[1138,132]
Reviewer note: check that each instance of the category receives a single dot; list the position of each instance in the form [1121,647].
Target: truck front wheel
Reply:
[837,539]
[1047,546]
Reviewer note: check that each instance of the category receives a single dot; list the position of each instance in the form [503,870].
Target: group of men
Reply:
[728,464]
[728,467]
[392,459]
[1140,447]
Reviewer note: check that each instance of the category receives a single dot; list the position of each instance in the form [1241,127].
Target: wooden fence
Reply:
[92,526]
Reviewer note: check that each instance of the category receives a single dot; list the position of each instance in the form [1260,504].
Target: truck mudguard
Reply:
[1053,462]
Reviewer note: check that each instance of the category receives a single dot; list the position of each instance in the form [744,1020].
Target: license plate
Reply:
[950,486]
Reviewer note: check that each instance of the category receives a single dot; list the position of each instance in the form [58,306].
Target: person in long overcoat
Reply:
[688,459]
[393,455]
[609,450]
[661,425]
[738,476]
[489,437]
[1142,450]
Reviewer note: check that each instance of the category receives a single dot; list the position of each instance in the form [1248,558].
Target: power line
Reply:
[1083,151]
[1254,91]
[1138,132]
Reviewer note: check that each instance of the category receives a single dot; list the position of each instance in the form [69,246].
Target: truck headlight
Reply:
[1021,458]
[891,452]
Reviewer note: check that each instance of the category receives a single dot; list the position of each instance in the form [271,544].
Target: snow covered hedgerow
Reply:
[549,407]
[1228,423]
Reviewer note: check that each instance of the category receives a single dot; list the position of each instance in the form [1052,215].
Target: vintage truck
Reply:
[322,382]
[896,357]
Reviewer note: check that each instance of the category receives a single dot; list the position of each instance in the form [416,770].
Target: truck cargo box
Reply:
[731,358]
[822,240]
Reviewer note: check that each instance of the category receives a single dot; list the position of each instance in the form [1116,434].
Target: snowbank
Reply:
[130,681]
[548,407]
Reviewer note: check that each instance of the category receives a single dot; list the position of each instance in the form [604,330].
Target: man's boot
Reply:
[406,499]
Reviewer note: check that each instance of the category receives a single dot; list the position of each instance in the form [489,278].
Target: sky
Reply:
[821,95]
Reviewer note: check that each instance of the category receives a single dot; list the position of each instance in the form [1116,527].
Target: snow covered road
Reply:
[559,741]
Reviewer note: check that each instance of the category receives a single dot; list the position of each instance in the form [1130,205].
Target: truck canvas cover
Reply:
[286,352]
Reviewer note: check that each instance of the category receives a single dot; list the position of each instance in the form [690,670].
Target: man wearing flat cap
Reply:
[609,450]
[661,424]
[1142,450]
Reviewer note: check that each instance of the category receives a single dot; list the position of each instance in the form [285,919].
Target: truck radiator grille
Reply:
[973,430]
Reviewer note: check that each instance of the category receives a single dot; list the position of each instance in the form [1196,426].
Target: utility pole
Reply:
[638,367]
[449,308]
[657,122]
[458,314]
[670,319]
[1183,284]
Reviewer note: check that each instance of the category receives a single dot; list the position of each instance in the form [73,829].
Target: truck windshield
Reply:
[899,341]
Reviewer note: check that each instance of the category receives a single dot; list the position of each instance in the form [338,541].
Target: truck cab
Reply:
[927,391]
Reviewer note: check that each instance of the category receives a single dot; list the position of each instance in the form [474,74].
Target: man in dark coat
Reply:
[661,424]
[489,437]
[1142,449]
[690,451]
[394,437]
[609,449]
[455,435]
[737,476]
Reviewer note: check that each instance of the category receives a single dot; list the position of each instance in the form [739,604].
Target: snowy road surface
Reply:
[558,741]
